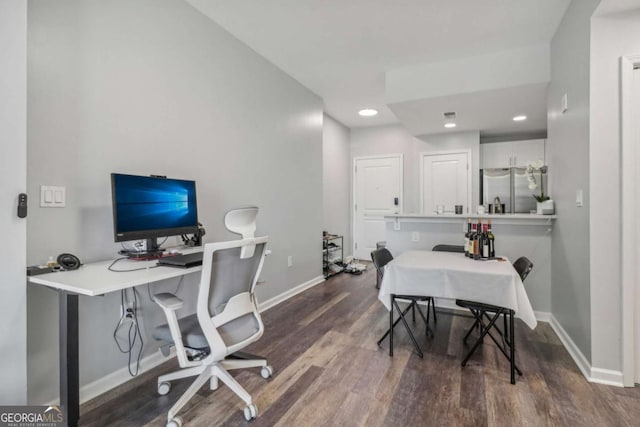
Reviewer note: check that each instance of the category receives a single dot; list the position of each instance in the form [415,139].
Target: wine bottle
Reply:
[473,233]
[491,240]
[466,239]
[485,241]
[476,240]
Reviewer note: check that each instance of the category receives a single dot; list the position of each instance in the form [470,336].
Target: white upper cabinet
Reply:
[514,153]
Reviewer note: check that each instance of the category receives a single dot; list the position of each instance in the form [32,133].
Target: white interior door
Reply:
[377,192]
[445,180]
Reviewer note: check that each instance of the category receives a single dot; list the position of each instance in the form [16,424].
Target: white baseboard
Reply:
[606,377]
[272,302]
[542,316]
[575,353]
[114,379]
[592,374]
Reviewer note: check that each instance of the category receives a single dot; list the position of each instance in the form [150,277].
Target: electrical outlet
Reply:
[415,236]
[290,261]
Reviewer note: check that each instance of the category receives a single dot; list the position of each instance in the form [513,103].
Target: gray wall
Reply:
[611,37]
[394,139]
[568,156]
[336,180]
[154,87]
[13,175]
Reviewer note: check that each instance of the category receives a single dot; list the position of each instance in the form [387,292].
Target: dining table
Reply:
[448,275]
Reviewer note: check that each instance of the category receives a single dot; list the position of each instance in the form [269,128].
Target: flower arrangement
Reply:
[537,166]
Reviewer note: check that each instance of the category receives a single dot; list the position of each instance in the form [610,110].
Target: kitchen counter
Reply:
[514,219]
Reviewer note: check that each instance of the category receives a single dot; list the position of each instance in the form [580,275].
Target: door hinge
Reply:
[356,245]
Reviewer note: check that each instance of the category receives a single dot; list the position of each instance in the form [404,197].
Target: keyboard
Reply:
[182,261]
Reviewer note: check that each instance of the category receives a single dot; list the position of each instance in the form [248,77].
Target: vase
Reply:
[545,208]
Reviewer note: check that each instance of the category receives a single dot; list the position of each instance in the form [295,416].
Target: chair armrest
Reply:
[168,301]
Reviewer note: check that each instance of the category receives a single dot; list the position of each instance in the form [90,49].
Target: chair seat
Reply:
[477,305]
[192,336]
[190,330]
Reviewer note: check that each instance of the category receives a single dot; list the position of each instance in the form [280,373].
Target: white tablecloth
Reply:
[452,275]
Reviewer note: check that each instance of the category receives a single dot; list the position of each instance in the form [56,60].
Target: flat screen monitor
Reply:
[148,207]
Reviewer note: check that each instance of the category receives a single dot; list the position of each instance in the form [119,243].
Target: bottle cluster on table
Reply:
[479,240]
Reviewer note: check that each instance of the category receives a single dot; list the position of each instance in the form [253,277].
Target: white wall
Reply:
[336,180]
[612,36]
[567,151]
[13,175]
[155,87]
[395,139]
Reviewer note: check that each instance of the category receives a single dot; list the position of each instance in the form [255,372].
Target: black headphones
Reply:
[69,261]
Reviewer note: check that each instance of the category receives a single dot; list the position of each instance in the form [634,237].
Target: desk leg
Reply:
[69,372]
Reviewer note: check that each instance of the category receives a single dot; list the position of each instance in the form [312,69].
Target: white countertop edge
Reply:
[465,216]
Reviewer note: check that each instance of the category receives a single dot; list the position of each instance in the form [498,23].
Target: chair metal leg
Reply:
[406,325]
[486,330]
[413,311]
[479,340]
[406,310]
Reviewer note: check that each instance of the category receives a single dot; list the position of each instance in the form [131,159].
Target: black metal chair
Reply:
[444,248]
[381,257]
[481,312]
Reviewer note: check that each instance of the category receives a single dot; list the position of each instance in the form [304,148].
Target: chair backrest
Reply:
[380,258]
[523,266]
[227,309]
[448,248]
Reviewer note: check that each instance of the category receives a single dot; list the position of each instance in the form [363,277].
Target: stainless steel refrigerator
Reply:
[511,185]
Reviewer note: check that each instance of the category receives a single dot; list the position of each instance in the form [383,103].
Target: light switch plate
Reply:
[53,197]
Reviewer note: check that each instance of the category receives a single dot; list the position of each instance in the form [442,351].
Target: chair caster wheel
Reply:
[250,412]
[266,372]
[163,388]
[175,422]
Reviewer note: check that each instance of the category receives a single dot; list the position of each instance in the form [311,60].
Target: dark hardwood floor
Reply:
[329,371]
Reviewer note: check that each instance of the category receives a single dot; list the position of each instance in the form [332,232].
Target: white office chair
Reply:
[226,319]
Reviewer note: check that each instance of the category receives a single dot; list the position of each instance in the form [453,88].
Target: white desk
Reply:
[453,276]
[93,279]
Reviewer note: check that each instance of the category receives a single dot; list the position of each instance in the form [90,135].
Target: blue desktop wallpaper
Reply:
[146,203]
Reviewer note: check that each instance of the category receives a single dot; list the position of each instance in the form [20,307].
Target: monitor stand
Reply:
[153,251]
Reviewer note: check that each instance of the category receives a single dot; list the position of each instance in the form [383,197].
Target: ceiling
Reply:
[341,49]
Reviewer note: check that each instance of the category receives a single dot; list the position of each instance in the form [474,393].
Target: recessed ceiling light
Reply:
[449,125]
[368,112]
[519,118]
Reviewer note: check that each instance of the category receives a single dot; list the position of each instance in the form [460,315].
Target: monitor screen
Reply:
[147,207]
